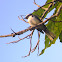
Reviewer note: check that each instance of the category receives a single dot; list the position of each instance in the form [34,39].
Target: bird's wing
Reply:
[38,18]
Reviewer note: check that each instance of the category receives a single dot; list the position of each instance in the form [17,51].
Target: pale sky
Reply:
[9,12]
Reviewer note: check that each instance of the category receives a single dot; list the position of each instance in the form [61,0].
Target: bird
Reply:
[33,20]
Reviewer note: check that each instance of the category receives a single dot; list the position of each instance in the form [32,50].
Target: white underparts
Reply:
[33,21]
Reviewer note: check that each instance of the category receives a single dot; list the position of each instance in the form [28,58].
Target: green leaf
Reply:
[42,51]
[39,12]
[60,37]
[49,1]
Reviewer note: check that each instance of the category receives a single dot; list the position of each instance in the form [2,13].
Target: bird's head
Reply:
[27,16]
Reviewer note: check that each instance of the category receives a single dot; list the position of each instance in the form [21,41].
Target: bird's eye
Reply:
[32,15]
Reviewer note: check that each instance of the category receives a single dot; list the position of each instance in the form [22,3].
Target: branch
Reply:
[32,28]
[36,44]
[30,45]
[46,11]
[42,5]
[54,21]
[17,33]
[39,6]
[22,19]
[21,38]
[49,8]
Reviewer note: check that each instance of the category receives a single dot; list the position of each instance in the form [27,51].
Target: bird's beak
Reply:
[25,18]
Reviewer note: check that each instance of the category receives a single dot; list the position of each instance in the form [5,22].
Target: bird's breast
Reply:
[33,21]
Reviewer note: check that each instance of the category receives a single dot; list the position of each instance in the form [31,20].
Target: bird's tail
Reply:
[50,35]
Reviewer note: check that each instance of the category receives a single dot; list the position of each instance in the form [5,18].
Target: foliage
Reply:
[52,25]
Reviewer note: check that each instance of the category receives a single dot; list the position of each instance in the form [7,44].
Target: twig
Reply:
[21,38]
[39,6]
[42,5]
[26,55]
[30,45]
[54,21]
[59,0]
[22,19]
[46,11]
[38,40]
[35,47]
[13,30]
[36,44]
[17,33]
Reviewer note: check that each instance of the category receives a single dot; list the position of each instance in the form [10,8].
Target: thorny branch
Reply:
[32,28]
